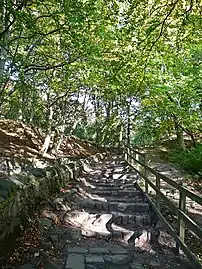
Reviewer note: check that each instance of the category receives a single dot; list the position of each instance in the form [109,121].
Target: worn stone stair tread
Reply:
[131,219]
[113,198]
[115,206]
[116,250]
[75,261]
[113,188]
[121,199]
[112,185]
[80,258]
[118,193]
[122,236]
[121,179]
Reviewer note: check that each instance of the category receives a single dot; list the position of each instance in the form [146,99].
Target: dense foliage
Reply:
[190,160]
[103,70]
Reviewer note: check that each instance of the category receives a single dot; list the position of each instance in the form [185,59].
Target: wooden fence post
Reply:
[131,159]
[158,198]
[125,152]
[128,157]
[181,224]
[146,173]
[137,158]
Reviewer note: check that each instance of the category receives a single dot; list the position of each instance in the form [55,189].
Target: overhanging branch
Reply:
[43,68]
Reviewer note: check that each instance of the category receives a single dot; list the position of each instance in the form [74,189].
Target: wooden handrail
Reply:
[195,262]
[189,222]
[139,153]
[179,211]
[190,194]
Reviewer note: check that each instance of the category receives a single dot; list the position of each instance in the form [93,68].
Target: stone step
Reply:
[117,192]
[100,229]
[131,220]
[114,206]
[84,258]
[113,185]
[114,178]
[99,251]
[123,198]
[114,224]
[111,258]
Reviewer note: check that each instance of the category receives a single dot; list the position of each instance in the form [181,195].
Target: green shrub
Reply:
[190,160]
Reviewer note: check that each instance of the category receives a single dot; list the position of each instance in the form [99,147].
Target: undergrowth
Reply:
[189,159]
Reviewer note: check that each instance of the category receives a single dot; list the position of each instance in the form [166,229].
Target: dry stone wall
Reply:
[20,194]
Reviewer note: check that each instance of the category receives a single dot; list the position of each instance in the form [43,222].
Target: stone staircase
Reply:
[102,222]
[118,228]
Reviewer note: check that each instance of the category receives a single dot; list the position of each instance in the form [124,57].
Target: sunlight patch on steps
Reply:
[89,224]
[87,168]
[86,195]
[95,225]
[86,183]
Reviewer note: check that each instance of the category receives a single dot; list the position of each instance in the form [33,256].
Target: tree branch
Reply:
[43,68]
[7,28]
[60,97]
[48,67]
[21,5]
[163,24]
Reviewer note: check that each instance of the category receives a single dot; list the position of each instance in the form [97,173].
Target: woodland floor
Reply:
[20,147]
[20,140]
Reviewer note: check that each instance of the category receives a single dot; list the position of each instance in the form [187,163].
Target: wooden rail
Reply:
[138,162]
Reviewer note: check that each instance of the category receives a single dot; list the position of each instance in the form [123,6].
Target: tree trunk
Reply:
[96,110]
[4,21]
[180,137]
[121,135]
[48,132]
[59,142]
[3,24]
[128,121]
[193,139]
[74,126]
[108,108]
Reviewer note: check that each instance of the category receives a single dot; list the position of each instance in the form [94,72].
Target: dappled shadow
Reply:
[98,225]
[19,139]
[20,144]
[73,146]
[67,222]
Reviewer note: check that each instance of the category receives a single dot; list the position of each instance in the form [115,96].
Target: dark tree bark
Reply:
[128,132]
[180,137]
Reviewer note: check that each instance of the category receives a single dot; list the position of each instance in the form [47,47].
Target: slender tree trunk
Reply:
[107,120]
[48,132]
[73,128]
[128,121]
[180,137]
[96,110]
[22,105]
[59,141]
[33,104]
[121,135]
[3,24]
[193,139]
